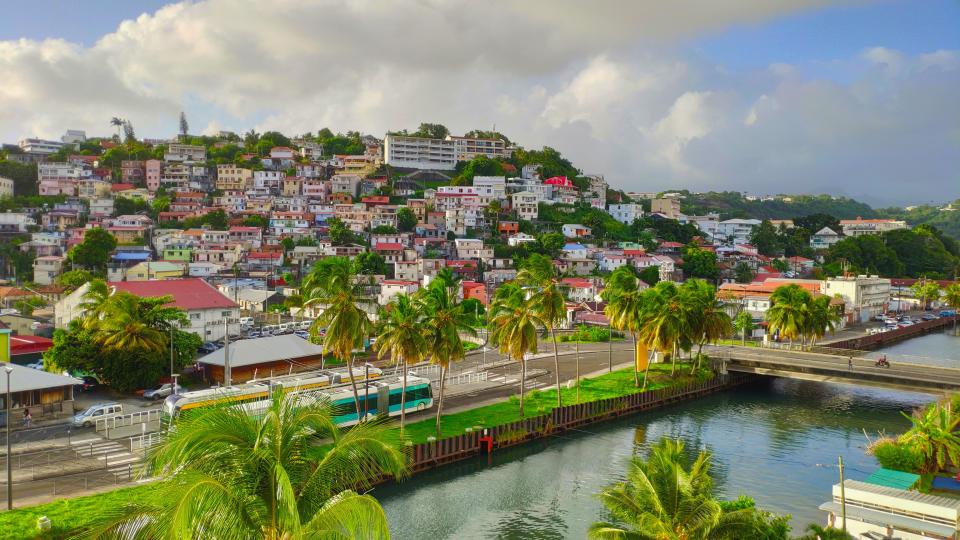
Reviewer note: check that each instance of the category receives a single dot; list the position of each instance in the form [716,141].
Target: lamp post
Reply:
[9,370]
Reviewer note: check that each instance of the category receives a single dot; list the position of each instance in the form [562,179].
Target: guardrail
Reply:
[467,378]
[142,442]
[139,417]
[873,341]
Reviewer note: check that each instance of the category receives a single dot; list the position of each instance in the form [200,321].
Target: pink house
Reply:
[151,172]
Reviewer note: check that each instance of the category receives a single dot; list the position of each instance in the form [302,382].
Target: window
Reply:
[225,314]
[194,316]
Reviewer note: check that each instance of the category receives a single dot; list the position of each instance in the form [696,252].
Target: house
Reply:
[625,213]
[736,231]
[581,289]
[185,153]
[863,296]
[508,227]
[575,230]
[520,238]
[153,270]
[575,251]
[392,287]
[471,248]
[475,290]
[207,310]
[391,252]
[42,392]
[47,268]
[824,238]
[256,300]
[262,358]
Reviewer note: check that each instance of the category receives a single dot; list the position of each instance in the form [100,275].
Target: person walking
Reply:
[27,418]
[850,363]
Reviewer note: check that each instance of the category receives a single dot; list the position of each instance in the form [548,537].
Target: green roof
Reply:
[893,479]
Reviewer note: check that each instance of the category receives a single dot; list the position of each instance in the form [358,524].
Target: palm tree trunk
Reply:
[353,384]
[646,374]
[673,360]
[743,337]
[696,364]
[636,359]
[556,364]
[403,400]
[443,379]
[523,379]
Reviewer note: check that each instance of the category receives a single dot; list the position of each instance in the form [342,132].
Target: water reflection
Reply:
[775,441]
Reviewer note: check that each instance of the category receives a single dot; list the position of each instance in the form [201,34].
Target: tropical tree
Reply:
[401,336]
[625,311]
[933,435]
[669,321]
[514,322]
[951,296]
[666,497]
[333,285]
[288,473]
[817,532]
[788,311]
[444,326]
[548,302]
[925,291]
[708,321]
[821,318]
[743,323]
[131,323]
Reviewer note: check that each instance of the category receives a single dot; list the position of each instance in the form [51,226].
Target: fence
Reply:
[68,483]
[145,441]
[139,417]
[468,378]
[428,454]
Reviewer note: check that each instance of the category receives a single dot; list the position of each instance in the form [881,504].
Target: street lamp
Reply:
[9,370]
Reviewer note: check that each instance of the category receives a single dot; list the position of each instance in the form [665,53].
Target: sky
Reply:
[854,98]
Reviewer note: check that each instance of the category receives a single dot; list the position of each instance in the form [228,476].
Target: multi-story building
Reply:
[860,226]
[472,248]
[152,171]
[40,146]
[231,177]
[131,171]
[47,268]
[735,231]
[185,153]
[863,296]
[626,213]
[420,152]
[525,205]
[492,187]
[669,207]
[60,178]
[824,238]
[345,183]
[15,222]
[467,148]
[6,187]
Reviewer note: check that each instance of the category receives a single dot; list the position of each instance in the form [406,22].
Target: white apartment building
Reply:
[471,248]
[6,187]
[47,268]
[860,226]
[525,204]
[625,213]
[863,296]
[185,153]
[735,231]
[74,136]
[345,183]
[706,223]
[267,180]
[40,146]
[420,153]
[520,238]
[494,187]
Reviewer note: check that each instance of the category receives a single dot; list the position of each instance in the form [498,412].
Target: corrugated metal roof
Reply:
[885,519]
[915,496]
[24,379]
[891,478]
[247,352]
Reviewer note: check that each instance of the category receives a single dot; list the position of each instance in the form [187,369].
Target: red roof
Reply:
[576,282]
[558,181]
[121,187]
[671,245]
[461,264]
[29,344]
[264,255]
[190,293]
[375,199]
[469,285]
[388,246]
[634,252]
[237,228]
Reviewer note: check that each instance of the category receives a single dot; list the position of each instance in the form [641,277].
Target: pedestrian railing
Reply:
[139,417]
[141,443]
[467,378]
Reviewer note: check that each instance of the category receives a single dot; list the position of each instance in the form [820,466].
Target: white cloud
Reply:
[601,81]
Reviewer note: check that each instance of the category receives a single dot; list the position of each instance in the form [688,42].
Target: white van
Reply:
[305,325]
[246,321]
[93,413]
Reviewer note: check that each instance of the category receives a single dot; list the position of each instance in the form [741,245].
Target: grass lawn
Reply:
[738,342]
[68,514]
[539,402]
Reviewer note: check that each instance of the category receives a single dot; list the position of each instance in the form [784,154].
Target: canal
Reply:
[777,441]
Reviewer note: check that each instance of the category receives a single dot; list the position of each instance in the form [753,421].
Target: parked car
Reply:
[159,392]
[253,334]
[929,317]
[246,321]
[89,383]
[208,347]
[36,365]
[95,412]
[305,325]
[947,312]
[302,334]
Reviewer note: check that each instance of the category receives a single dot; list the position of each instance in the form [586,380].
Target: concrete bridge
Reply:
[834,367]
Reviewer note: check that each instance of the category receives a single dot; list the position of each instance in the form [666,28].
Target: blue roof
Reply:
[131,256]
[574,246]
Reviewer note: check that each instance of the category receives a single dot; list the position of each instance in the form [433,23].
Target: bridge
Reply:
[833,366]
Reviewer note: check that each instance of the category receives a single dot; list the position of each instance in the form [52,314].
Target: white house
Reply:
[824,238]
[575,230]
[525,205]
[736,231]
[520,238]
[625,213]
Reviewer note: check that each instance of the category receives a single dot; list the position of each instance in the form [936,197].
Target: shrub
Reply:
[898,457]
[591,334]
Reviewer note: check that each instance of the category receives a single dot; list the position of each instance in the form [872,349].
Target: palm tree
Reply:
[118,123]
[287,473]
[129,322]
[743,323]
[332,284]
[625,311]
[708,320]
[787,311]
[514,324]
[951,296]
[816,532]
[666,497]
[401,336]
[549,303]
[821,318]
[94,301]
[668,321]
[934,436]
[444,324]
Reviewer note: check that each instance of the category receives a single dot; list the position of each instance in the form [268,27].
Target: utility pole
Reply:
[171,350]
[227,375]
[9,370]
[843,498]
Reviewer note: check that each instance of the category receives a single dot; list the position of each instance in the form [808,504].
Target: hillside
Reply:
[732,204]
[947,221]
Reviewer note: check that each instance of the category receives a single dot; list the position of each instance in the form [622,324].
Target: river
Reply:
[777,441]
